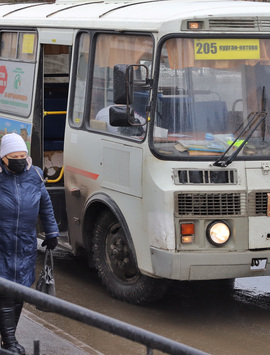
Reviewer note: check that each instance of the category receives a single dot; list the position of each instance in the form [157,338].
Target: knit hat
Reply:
[11,143]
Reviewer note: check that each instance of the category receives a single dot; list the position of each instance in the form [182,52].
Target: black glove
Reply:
[50,242]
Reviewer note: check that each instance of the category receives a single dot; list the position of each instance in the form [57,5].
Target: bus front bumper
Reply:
[206,265]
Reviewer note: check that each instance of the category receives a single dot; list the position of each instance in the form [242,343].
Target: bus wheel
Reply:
[116,264]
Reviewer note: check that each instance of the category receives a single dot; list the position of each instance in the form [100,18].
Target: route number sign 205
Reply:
[226,49]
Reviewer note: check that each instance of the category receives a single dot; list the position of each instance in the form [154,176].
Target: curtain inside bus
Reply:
[115,49]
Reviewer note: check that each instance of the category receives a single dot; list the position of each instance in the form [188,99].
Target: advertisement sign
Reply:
[3,79]
[16,85]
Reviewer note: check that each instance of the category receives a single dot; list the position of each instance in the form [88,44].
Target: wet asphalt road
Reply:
[213,317]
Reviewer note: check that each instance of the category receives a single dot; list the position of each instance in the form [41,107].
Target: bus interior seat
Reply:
[141,100]
[175,114]
[54,125]
[211,116]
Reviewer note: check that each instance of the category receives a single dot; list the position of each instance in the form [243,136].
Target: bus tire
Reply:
[116,264]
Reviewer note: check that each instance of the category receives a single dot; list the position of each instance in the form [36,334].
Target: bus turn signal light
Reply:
[187,233]
[187,228]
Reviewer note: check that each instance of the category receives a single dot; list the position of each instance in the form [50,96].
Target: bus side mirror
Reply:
[123,84]
[121,116]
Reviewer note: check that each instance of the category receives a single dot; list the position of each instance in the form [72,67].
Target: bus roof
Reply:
[146,15]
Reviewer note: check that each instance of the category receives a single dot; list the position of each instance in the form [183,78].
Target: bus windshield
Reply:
[210,96]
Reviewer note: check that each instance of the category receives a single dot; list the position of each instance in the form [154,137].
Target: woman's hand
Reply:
[51,243]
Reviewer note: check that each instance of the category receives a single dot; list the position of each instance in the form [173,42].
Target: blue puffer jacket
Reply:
[22,198]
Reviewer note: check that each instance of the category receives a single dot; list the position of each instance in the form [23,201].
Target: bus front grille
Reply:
[211,204]
[258,201]
[192,176]
[233,24]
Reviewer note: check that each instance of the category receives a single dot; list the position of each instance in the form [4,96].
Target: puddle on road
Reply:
[254,291]
[259,285]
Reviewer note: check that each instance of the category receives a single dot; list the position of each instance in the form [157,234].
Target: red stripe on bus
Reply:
[82,172]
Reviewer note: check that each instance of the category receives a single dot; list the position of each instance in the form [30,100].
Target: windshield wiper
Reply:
[260,116]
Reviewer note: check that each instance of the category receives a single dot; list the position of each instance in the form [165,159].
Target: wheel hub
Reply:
[119,256]
[119,252]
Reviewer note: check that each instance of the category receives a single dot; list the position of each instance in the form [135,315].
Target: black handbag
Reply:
[46,282]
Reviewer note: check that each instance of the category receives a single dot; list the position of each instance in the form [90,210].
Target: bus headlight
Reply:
[218,233]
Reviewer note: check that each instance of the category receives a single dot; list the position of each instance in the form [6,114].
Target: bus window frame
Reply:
[155,90]
[74,77]
[19,60]
[85,125]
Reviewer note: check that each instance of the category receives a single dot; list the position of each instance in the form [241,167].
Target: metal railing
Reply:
[46,113]
[70,310]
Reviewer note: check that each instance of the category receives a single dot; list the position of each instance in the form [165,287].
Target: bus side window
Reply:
[8,45]
[111,50]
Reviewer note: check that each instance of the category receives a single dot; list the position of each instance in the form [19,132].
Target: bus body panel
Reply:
[258,180]
[135,16]
[91,181]
[178,266]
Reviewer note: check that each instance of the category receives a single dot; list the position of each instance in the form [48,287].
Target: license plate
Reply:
[258,264]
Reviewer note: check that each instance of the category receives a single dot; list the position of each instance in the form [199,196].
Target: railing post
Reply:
[36,347]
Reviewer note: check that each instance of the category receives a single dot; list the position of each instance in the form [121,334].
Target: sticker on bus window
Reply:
[226,49]
[28,43]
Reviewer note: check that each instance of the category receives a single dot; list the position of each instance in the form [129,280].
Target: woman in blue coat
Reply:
[23,197]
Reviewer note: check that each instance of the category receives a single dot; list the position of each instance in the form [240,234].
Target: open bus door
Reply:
[54,80]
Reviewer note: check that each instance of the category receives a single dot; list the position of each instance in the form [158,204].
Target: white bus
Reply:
[151,121]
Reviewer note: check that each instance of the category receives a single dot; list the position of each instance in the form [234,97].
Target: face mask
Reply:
[16,165]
